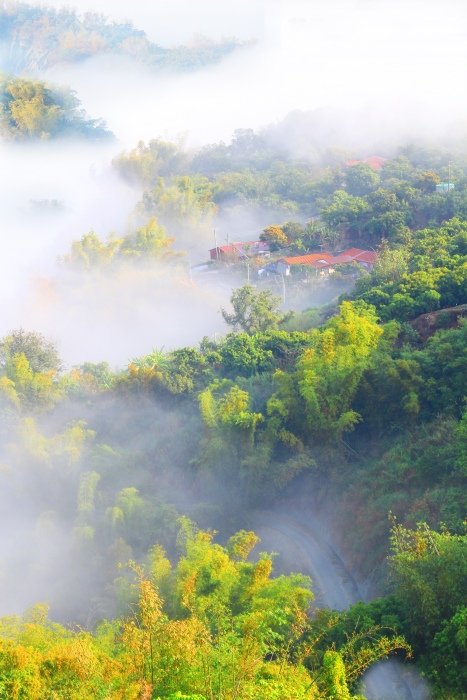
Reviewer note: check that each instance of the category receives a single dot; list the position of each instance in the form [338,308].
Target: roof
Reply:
[359,255]
[367,256]
[375,162]
[341,259]
[241,247]
[321,260]
[352,252]
[308,259]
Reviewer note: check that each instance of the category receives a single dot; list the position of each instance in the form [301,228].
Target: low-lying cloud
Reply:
[397,63]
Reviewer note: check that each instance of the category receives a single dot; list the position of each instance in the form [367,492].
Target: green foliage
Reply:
[24,388]
[224,406]
[360,179]
[227,629]
[146,163]
[346,212]
[340,203]
[40,353]
[330,371]
[426,274]
[244,355]
[184,200]
[253,312]
[430,569]
[148,244]
[33,110]
[449,652]
[430,572]
[443,367]
[317,398]
[90,252]
[335,680]
[248,413]
[41,37]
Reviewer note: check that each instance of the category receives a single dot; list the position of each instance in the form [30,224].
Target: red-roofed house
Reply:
[366,258]
[325,262]
[308,259]
[375,162]
[240,251]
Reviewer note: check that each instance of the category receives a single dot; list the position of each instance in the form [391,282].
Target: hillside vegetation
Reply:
[32,109]
[36,38]
[135,468]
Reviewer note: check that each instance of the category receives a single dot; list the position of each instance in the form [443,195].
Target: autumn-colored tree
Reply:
[275,236]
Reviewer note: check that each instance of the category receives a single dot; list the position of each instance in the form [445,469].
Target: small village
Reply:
[263,263]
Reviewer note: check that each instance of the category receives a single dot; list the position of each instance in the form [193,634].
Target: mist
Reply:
[389,65]
[335,57]
[364,76]
[51,195]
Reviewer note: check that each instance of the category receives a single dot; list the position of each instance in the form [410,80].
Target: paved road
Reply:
[302,544]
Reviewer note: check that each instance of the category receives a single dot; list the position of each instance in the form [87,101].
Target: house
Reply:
[239,251]
[444,187]
[325,263]
[374,162]
[365,258]
[315,260]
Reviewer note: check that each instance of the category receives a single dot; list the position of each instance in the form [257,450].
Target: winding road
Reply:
[302,544]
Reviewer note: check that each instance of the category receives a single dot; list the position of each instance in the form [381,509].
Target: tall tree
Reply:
[253,311]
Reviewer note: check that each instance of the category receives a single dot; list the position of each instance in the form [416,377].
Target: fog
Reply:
[388,69]
[394,62]
[378,72]
[171,22]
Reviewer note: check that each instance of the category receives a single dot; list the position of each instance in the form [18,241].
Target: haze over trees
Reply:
[36,38]
[31,109]
[129,495]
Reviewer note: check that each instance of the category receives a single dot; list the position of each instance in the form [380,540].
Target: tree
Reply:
[275,236]
[244,355]
[31,109]
[145,163]
[148,242]
[427,181]
[230,424]
[317,398]
[293,230]
[41,353]
[330,371]
[254,311]
[430,572]
[361,179]
[348,214]
[91,252]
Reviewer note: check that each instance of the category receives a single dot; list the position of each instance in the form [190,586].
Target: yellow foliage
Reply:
[8,391]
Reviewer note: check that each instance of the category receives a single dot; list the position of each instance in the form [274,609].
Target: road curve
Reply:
[303,545]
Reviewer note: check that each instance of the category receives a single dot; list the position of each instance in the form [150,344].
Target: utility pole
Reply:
[216,246]
[283,288]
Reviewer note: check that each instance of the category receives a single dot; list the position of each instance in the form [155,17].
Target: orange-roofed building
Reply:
[240,251]
[367,258]
[325,262]
[307,259]
[374,162]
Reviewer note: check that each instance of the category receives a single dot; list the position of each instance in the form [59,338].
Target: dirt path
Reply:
[303,545]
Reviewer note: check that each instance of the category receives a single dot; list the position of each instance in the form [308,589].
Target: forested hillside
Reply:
[32,109]
[356,401]
[315,406]
[36,38]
